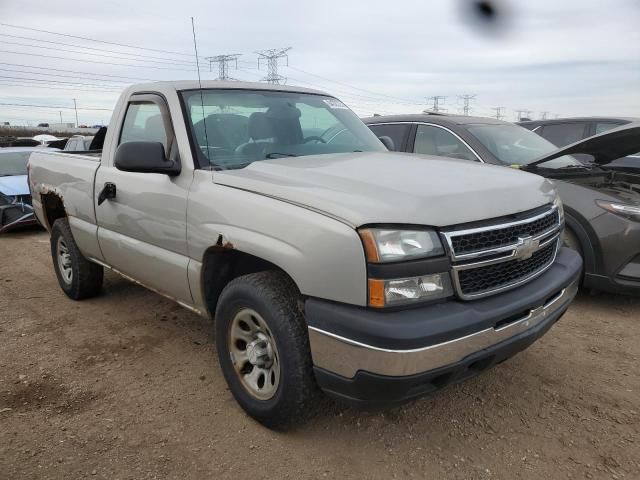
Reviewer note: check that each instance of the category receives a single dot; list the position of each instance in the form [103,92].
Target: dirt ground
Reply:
[127,386]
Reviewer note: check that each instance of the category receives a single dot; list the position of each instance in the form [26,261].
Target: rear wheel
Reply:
[78,277]
[263,348]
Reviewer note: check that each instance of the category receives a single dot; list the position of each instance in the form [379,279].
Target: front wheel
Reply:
[78,277]
[263,348]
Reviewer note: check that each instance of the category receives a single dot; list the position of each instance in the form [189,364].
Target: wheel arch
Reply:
[222,263]
[584,236]
[52,208]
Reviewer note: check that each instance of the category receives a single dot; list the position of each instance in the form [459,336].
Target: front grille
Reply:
[475,281]
[483,240]
[494,257]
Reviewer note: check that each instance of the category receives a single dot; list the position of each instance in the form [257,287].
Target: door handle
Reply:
[108,192]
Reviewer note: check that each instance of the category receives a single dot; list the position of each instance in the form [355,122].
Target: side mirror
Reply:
[145,157]
[387,142]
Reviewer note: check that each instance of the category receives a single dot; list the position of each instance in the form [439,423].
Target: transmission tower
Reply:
[271,56]
[223,62]
[523,113]
[499,115]
[543,115]
[466,98]
[437,101]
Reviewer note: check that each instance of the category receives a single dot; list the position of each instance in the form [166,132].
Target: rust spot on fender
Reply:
[224,243]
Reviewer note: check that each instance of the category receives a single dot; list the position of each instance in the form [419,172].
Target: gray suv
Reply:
[602,204]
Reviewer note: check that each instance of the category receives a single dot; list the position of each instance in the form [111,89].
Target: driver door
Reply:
[142,231]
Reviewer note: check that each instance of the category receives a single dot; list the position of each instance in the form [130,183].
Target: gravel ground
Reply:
[127,386]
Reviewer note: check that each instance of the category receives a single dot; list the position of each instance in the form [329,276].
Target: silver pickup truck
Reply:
[327,262]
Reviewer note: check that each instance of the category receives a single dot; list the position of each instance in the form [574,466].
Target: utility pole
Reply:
[499,115]
[75,107]
[223,62]
[466,98]
[271,56]
[523,113]
[543,115]
[437,101]
[60,112]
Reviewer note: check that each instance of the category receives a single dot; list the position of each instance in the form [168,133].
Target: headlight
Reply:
[558,204]
[629,211]
[402,291]
[383,245]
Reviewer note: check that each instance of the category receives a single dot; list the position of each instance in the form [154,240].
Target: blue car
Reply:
[15,199]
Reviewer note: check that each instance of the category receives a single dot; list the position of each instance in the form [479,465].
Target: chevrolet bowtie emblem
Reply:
[526,247]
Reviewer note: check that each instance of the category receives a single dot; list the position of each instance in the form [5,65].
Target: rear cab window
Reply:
[563,134]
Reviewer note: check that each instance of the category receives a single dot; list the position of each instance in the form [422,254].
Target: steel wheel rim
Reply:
[64,261]
[254,354]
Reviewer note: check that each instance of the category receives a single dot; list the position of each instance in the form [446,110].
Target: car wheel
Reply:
[78,277]
[263,348]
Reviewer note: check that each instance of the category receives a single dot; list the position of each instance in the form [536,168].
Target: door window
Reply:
[143,123]
[562,134]
[440,142]
[397,132]
[604,126]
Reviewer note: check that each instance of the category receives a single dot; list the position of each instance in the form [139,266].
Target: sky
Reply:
[566,58]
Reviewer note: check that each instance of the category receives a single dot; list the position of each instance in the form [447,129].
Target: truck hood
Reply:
[389,187]
[14,186]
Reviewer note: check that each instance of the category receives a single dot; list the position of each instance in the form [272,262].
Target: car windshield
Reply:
[13,163]
[515,145]
[233,128]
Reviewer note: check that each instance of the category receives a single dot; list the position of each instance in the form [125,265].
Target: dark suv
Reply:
[564,131]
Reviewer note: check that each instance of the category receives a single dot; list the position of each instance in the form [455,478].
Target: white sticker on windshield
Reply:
[335,103]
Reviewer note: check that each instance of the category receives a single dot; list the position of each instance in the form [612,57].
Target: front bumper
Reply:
[376,356]
[618,240]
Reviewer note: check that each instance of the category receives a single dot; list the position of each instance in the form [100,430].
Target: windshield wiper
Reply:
[279,155]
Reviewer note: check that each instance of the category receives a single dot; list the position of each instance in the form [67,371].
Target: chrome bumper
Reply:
[345,357]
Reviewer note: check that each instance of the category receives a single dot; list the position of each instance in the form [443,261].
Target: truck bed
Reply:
[71,177]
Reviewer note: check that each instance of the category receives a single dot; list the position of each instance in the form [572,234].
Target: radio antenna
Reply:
[204,119]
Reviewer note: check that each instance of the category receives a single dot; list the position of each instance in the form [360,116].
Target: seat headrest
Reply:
[260,126]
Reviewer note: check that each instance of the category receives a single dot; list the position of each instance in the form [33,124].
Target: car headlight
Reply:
[558,204]
[384,245]
[628,211]
[403,291]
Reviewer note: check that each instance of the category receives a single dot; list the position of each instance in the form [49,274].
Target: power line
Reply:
[95,49]
[76,71]
[40,80]
[437,101]
[57,49]
[272,56]
[95,40]
[223,62]
[53,106]
[466,98]
[96,61]
[499,115]
[60,75]
[522,113]
[408,102]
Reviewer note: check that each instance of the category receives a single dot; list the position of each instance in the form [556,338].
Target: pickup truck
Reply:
[327,262]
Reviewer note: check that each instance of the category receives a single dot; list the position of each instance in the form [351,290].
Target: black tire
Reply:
[274,297]
[85,279]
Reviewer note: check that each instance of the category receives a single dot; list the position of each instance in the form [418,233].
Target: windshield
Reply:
[515,145]
[13,163]
[244,126]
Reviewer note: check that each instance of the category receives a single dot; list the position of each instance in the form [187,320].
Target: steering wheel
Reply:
[314,137]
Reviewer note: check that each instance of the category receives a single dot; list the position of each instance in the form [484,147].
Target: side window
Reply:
[438,141]
[562,134]
[143,123]
[604,126]
[397,132]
